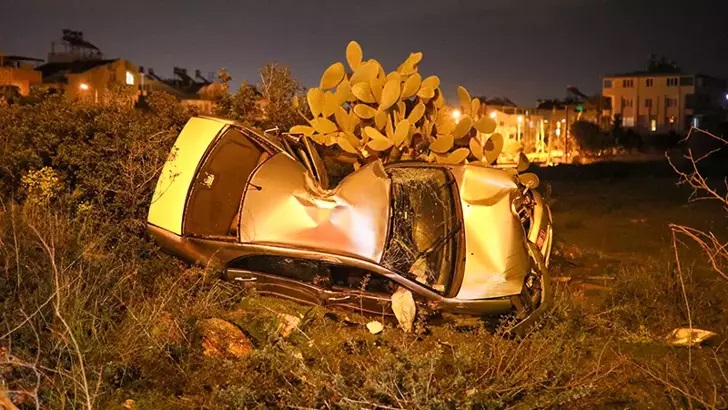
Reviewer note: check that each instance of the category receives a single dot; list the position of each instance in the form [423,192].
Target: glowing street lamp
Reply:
[492,115]
[518,130]
[85,87]
[456,114]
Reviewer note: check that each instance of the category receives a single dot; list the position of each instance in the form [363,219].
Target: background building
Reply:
[654,101]
[19,73]
[79,70]
[195,91]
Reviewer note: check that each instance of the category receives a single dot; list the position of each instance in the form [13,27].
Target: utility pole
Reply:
[552,133]
[566,132]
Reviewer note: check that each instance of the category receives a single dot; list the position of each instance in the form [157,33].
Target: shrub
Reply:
[105,155]
[591,138]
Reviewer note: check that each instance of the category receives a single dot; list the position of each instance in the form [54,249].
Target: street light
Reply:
[85,87]
[456,114]
[492,115]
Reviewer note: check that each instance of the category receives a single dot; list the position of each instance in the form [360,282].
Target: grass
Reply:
[130,329]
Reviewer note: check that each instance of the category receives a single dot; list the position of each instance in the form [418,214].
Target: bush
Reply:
[591,138]
[106,156]
[659,143]
[75,183]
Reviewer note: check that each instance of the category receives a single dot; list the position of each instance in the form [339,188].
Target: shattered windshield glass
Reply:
[424,232]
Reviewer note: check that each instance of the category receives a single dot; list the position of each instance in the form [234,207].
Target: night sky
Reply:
[522,49]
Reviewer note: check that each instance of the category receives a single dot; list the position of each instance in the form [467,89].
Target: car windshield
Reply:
[424,236]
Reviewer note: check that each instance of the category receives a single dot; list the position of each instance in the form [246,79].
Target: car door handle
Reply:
[246,279]
[339,299]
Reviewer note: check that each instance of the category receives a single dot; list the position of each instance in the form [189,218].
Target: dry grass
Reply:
[93,315]
[133,318]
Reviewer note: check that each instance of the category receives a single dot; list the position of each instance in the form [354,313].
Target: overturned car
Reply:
[462,239]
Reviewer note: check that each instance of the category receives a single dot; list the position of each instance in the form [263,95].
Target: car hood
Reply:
[290,209]
[496,255]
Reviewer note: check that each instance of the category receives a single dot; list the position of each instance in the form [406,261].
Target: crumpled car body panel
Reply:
[497,260]
[292,211]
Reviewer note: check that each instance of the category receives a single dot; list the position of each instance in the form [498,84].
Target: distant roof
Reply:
[20,58]
[646,73]
[665,74]
[51,69]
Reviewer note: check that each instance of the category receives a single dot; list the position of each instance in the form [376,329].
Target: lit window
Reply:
[129,78]
[653,125]
[628,121]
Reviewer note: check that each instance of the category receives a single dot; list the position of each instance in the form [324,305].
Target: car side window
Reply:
[304,270]
[356,279]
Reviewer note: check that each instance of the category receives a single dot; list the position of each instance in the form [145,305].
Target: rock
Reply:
[129,404]
[5,402]
[223,339]
[688,337]
[375,327]
[287,323]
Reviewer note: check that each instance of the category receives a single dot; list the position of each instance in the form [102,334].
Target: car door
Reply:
[291,278]
[362,291]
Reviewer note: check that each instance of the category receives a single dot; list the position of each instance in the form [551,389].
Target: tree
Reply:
[661,64]
[269,104]
[244,105]
[590,137]
[278,89]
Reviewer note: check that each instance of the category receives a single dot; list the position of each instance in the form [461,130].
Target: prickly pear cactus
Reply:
[371,114]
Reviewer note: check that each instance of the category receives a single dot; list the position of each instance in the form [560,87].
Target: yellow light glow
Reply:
[456,114]
[83,86]
[520,118]
[564,120]
[129,78]
[558,132]
[492,115]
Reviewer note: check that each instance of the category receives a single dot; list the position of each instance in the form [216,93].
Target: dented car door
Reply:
[291,278]
[361,291]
